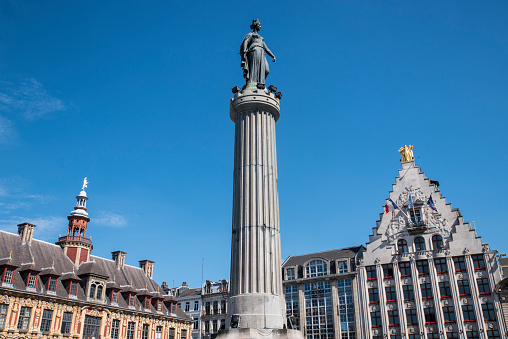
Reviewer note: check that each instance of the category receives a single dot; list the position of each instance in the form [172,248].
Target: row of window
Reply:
[419,243]
[488,311]
[491,334]
[187,306]
[317,268]
[216,310]
[426,290]
[423,267]
[215,324]
[91,325]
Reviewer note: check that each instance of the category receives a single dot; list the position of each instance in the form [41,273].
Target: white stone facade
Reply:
[426,273]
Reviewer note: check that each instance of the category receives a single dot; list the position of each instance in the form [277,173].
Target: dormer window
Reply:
[342,266]
[73,288]
[290,274]
[95,291]
[159,305]
[114,296]
[416,215]
[8,275]
[316,268]
[32,280]
[132,299]
[52,284]
[147,303]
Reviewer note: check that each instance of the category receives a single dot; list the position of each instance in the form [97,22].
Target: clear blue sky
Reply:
[135,96]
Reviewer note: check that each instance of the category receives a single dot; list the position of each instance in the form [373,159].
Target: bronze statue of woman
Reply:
[253,49]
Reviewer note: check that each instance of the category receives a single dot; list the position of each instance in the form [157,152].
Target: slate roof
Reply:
[349,252]
[50,258]
[190,292]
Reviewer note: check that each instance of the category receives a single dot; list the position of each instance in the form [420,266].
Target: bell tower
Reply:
[75,244]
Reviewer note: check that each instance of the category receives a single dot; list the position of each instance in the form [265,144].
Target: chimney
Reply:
[147,266]
[26,231]
[184,283]
[119,258]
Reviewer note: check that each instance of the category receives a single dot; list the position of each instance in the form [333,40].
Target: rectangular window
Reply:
[208,309]
[130,330]
[444,289]
[373,295]
[483,286]
[223,324]
[73,289]
[292,309]
[195,325]
[426,290]
[433,336]
[32,280]
[115,328]
[223,306]
[24,318]
[318,307]
[3,314]
[147,303]
[390,294]
[472,335]
[9,273]
[207,327]
[144,331]
[66,323]
[460,264]
[493,334]
[342,266]
[388,271]
[290,274]
[132,299]
[171,333]
[114,296]
[405,269]
[449,314]
[393,318]
[478,262]
[468,312]
[215,307]
[430,315]
[375,318]
[52,284]
[196,305]
[187,306]
[488,312]
[47,317]
[452,335]
[412,318]
[92,327]
[408,292]
[423,267]
[441,267]
[183,334]
[463,287]
[371,272]
[214,326]
[158,332]
[159,305]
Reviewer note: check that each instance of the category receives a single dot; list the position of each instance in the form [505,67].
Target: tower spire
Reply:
[75,244]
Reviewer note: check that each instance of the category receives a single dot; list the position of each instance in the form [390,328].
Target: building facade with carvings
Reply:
[425,272]
[63,291]
[321,293]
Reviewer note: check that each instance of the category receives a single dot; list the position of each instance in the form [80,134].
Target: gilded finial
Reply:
[146,286]
[114,278]
[10,255]
[131,282]
[85,184]
[33,260]
[72,269]
[406,153]
[53,264]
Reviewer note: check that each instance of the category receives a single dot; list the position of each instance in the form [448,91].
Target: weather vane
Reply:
[85,184]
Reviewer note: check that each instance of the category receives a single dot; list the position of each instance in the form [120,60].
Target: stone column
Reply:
[257,300]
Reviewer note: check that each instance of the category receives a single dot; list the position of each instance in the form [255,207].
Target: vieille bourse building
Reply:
[425,273]
[62,291]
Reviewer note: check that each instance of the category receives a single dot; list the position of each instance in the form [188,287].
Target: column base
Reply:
[262,333]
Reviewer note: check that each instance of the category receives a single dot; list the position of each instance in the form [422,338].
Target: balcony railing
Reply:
[75,238]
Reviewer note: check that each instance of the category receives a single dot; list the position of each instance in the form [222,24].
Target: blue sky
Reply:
[135,96]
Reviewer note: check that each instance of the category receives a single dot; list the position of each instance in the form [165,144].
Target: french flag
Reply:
[390,206]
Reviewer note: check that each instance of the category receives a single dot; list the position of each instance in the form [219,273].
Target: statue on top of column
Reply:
[253,49]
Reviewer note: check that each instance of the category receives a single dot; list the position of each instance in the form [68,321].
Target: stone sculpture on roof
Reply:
[253,49]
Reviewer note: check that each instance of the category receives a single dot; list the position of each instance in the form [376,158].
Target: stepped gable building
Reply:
[320,290]
[63,291]
[425,272]
[502,287]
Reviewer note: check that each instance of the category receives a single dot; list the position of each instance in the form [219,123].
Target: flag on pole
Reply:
[390,206]
[410,203]
[430,202]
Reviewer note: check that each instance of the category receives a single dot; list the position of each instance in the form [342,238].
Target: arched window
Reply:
[402,246]
[419,244]
[437,242]
[92,291]
[315,268]
[99,292]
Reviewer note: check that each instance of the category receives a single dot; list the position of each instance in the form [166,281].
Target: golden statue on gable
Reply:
[406,153]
